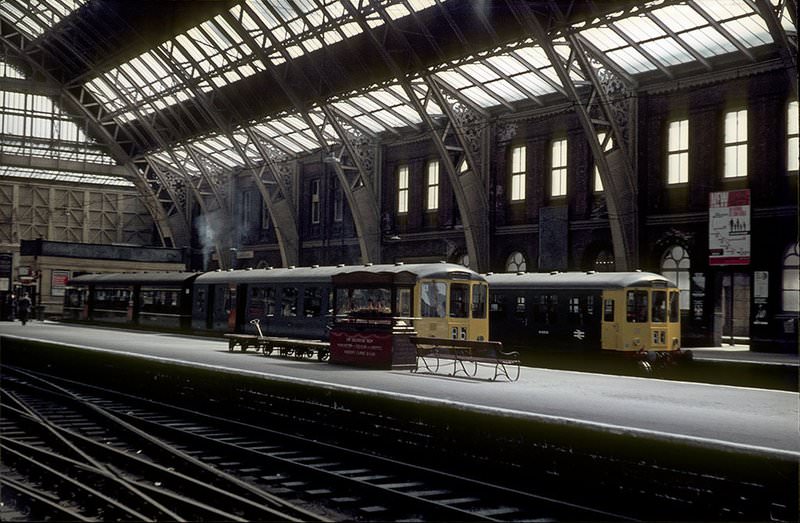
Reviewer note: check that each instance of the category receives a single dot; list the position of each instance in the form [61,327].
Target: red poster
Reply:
[361,349]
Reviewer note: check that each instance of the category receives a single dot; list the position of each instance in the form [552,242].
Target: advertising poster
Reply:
[729,228]
[58,280]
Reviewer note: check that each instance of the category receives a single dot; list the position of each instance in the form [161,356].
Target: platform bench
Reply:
[465,356]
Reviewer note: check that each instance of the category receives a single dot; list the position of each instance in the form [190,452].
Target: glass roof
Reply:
[34,17]
[655,38]
[62,176]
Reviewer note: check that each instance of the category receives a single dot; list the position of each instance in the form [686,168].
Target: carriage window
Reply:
[312,302]
[479,301]
[674,307]
[201,300]
[521,308]
[637,307]
[498,303]
[402,304]
[270,305]
[459,298]
[575,316]
[434,296]
[367,301]
[608,310]
[590,305]
[659,313]
[546,309]
[288,302]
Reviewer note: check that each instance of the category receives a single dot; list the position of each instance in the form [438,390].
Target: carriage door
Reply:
[735,308]
[610,326]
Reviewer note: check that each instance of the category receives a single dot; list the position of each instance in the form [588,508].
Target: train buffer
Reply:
[465,356]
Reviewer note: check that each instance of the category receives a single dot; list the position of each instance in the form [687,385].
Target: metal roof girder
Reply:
[359,190]
[470,145]
[621,197]
[124,157]
[788,49]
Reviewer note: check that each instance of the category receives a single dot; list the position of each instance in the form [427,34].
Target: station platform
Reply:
[743,419]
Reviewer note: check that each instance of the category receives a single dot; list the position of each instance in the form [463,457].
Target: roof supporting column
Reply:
[608,110]
[468,188]
[788,47]
[358,184]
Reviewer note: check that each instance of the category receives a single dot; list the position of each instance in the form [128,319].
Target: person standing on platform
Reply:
[24,308]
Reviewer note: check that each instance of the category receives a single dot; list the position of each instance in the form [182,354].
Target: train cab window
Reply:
[659,313]
[312,302]
[402,304]
[608,310]
[434,299]
[289,302]
[479,293]
[636,311]
[459,298]
[674,307]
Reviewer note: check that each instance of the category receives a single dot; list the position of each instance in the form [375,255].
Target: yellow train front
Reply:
[378,306]
[632,313]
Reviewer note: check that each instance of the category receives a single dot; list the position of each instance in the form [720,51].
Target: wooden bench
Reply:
[465,356]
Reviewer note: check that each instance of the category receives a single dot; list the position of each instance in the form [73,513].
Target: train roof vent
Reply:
[230,270]
[218,270]
[340,265]
[638,270]
[442,261]
[291,266]
[315,266]
[553,273]
[520,273]
[368,264]
[249,268]
[489,273]
[398,264]
[591,272]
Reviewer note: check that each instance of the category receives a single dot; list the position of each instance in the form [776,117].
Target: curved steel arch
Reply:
[109,138]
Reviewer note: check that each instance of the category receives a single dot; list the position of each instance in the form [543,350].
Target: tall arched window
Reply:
[675,265]
[605,261]
[791,279]
[516,262]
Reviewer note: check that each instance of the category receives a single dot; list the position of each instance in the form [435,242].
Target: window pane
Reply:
[479,293]
[636,309]
[459,298]
[659,313]
[434,296]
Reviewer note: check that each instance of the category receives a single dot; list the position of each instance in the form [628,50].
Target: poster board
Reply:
[729,228]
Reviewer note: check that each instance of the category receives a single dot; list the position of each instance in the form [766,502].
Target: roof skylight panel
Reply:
[604,38]
[534,56]
[632,60]
[534,83]
[368,121]
[507,64]
[454,79]
[389,119]
[507,90]
[480,97]
[33,17]
[708,42]
[668,51]
[639,28]
[751,31]
[289,144]
[680,18]
[479,72]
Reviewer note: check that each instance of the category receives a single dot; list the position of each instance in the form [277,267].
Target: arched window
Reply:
[675,265]
[605,262]
[516,262]
[791,279]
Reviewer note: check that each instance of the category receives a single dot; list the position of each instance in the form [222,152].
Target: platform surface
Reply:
[749,419]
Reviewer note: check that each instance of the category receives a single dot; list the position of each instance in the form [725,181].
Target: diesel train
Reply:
[441,299]
[635,313]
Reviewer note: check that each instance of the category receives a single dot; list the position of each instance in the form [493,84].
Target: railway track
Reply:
[76,452]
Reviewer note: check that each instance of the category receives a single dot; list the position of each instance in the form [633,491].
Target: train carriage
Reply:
[155,299]
[293,302]
[635,313]
[445,300]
